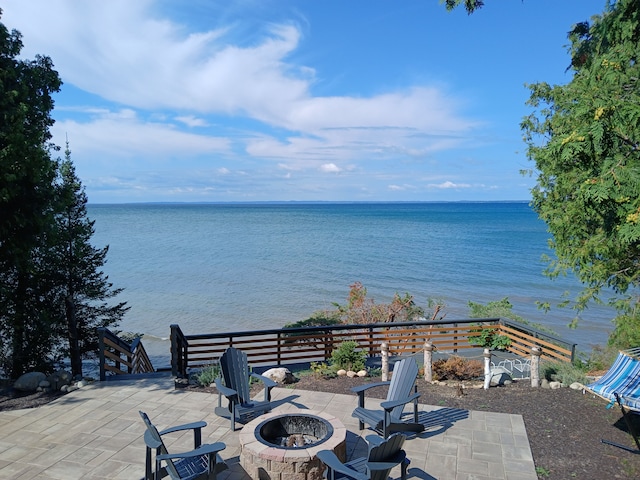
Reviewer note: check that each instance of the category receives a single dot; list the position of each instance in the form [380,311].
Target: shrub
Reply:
[564,372]
[488,338]
[321,369]
[627,330]
[207,375]
[601,358]
[457,368]
[346,356]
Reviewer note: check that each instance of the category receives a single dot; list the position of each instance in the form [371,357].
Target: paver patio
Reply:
[96,432]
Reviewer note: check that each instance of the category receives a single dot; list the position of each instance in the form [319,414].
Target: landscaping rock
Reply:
[29,381]
[351,374]
[555,385]
[280,375]
[341,372]
[576,386]
[59,378]
[500,376]
[362,373]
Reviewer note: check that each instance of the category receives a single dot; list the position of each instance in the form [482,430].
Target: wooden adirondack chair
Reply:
[235,387]
[389,418]
[382,457]
[203,462]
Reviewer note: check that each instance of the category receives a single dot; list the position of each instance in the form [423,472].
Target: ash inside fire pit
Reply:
[293,431]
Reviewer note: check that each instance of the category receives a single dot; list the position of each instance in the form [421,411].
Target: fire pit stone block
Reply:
[263,462]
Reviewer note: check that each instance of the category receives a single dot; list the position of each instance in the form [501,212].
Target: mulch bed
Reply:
[564,426]
[11,399]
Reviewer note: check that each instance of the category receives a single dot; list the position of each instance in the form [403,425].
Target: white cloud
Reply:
[252,100]
[448,185]
[119,136]
[401,188]
[330,168]
[192,121]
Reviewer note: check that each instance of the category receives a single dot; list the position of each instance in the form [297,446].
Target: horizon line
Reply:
[305,202]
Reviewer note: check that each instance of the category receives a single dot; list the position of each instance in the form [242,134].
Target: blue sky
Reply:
[308,100]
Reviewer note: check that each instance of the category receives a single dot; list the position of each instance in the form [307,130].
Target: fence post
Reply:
[428,361]
[279,348]
[371,353]
[487,368]
[535,366]
[175,355]
[103,372]
[455,338]
[384,347]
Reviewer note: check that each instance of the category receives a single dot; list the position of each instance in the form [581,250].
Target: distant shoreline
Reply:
[319,202]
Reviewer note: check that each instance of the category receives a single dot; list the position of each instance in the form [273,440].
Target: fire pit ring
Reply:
[299,430]
[266,459]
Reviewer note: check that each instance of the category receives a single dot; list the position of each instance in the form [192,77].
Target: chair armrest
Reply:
[149,441]
[333,463]
[266,381]
[374,440]
[362,388]
[187,426]
[206,449]
[226,391]
[396,403]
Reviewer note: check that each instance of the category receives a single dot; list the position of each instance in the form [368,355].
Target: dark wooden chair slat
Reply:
[201,463]
[235,386]
[389,419]
[382,457]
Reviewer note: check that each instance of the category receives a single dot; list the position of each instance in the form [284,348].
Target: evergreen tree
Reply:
[27,192]
[84,287]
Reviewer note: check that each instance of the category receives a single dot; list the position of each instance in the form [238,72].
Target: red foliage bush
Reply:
[457,368]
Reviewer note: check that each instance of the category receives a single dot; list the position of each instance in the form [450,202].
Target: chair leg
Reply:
[148,472]
[233,416]
[403,468]
[625,414]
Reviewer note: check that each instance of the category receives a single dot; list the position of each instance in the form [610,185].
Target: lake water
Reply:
[229,267]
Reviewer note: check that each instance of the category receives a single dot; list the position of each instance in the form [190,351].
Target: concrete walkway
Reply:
[96,432]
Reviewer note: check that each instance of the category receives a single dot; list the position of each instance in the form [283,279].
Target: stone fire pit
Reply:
[283,446]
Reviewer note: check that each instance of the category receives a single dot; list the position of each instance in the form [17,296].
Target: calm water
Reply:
[215,268]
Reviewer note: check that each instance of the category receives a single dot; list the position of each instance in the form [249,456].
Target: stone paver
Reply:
[96,433]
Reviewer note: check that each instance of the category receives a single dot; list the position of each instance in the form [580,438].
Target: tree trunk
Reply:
[74,345]
[18,351]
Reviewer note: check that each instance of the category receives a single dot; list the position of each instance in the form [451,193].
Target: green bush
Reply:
[347,357]
[321,369]
[564,372]
[601,358]
[488,338]
[207,375]
[627,330]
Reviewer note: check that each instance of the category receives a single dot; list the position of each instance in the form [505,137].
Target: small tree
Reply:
[83,286]
[361,309]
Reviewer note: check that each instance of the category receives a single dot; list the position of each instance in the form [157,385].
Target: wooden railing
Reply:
[315,344]
[119,357]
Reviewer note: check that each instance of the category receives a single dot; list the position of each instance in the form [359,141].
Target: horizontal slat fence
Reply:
[315,344]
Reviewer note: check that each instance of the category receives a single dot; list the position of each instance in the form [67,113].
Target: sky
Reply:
[297,100]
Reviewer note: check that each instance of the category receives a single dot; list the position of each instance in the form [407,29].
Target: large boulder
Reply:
[59,378]
[29,382]
[280,375]
[500,376]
